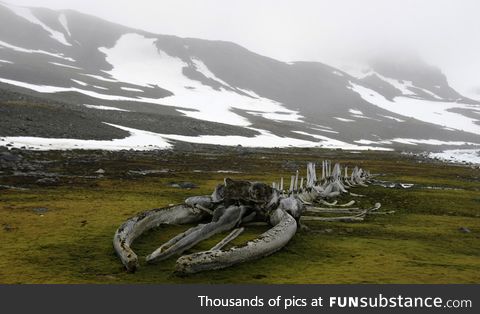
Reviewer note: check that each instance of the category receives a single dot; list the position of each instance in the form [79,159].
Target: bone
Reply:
[229,238]
[296,181]
[389,212]
[206,210]
[356,195]
[135,226]
[347,204]
[178,237]
[321,210]
[227,221]
[332,219]
[327,203]
[205,201]
[267,243]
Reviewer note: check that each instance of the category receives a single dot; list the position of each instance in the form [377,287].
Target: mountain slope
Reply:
[214,92]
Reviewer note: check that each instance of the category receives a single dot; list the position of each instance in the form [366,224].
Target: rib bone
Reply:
[266,244]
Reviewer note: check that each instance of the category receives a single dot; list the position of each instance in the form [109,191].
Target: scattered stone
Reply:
[100,171]
[464,230]
[8,156]
[349,230]
[183,185]
[147,172]
[328,230]
[47,181]
[40,210]
[10,187]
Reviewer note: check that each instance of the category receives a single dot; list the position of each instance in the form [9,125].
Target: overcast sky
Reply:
[445,33]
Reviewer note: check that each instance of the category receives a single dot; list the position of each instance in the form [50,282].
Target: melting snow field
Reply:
[138,140]
[412,141]
[145,65]
[435,112]
[458,155]
[143,140]
[334,144]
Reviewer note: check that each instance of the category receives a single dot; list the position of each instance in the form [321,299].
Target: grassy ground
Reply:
[72,241]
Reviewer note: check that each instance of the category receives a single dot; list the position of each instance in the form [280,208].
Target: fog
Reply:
[444,33]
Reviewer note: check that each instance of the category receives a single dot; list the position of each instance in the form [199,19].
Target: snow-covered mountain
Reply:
[70,80]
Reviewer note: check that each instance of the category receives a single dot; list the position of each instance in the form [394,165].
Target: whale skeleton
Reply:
[234,205]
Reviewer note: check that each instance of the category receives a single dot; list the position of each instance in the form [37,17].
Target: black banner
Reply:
[240,298]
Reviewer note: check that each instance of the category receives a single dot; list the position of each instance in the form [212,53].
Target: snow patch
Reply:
[202,68]
[20,49]
[404,86]
[323,130]
[56,89]
[393,118]
[101,78]
[435,112]
[357,112]
[65,65]
[138,140]
[79,82]
[412,141]
[27,14]
[136,60]
[458,155]
[63,21]
[100,87]
[129,89]
[344,120]
[328,142]
[105,108]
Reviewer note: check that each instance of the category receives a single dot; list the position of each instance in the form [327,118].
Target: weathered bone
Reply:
[327,203]
[332,210]
[347,204]
[229,238]
[229,219]
[135,226]
[266,244]
[332,219]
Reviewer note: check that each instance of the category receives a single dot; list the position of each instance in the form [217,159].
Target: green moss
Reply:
[72,241]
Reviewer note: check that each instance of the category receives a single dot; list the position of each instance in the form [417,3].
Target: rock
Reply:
[40,210]
[183,185]
[7,156]
[100,171]
[47,181]
[464,230]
